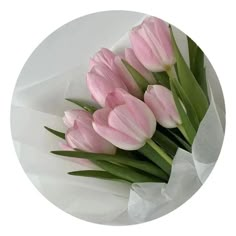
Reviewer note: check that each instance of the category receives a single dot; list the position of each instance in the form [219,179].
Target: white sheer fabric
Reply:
[56,70]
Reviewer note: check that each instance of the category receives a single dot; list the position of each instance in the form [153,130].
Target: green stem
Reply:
[162,78]
[171,72]
[162,153]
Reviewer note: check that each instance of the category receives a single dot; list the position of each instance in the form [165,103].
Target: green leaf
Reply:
[155,157]
[140,80]
[121,159]
[82,104]
[55,132]
[162,78]
[196,59]
[167,144]
[181,141]
[190,132]
[189,83]
[175,136]
[94,174]
[187,104]
[127,173]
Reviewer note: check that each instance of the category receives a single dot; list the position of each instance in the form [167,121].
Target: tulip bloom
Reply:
[101,81]
[160,100]
[151,42]
[126,122]
[82,135]
[107,58]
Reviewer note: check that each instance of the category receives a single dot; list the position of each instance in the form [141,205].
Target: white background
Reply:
[24,24]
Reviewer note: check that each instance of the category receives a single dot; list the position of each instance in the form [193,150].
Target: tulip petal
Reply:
[86,139]
[78,115]
[75,140]
[103,57]
[115,98]
[65,146]
[161,102]
[166,99]
[112,135]
[152,44]
[159,111]
[144,117]
[162,32]
[102,81]
[92,63]
[144,53]
[122,119]
[140,112]
[95,142]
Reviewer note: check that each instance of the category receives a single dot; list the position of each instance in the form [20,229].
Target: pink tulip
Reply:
[152,45]
[76,115]
[160,100]
[104,57]
[108,59]
[83,137]
[101,81]
[126,122]
[131,58]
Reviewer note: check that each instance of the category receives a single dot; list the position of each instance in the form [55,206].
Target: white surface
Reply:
[30,206]
[39,101]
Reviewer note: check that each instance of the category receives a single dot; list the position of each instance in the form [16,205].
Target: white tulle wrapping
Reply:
[38,100]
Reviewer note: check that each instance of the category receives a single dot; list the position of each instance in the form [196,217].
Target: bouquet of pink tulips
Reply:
[149,103]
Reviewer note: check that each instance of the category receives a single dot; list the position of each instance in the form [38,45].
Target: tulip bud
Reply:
[83,137]
[160,100]
[103,57]
[126,122]
[151,42]
[101,81]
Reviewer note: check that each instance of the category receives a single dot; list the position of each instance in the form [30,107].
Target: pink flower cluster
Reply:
[128,115]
